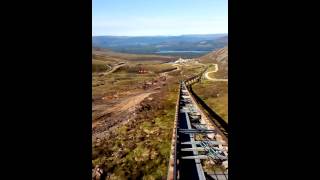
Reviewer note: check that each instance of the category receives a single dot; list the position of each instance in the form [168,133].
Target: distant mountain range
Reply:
[184,45]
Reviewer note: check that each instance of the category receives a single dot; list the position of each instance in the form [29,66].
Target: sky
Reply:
[159,17]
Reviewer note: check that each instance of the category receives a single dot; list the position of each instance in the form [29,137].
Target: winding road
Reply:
[214,79]
[114,68]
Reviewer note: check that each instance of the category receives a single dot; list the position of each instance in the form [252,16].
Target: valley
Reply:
[133,111]
[184,46]
[133,108]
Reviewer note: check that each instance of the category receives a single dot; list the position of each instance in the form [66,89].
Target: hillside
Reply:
[133,112]
[109,55]
[215,93]
[219,57]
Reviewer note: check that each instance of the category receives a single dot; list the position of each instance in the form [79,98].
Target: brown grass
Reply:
[215,94]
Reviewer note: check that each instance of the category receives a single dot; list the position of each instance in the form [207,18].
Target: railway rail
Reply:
[199,148]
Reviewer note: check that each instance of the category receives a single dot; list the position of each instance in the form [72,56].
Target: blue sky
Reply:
[159,17]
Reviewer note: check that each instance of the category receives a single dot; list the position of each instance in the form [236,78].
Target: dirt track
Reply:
[126,105]
[113,69]
[214,79]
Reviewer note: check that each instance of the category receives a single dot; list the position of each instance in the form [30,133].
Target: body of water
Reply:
[164,52]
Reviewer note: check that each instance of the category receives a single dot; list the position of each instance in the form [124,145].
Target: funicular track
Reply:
[199,148]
